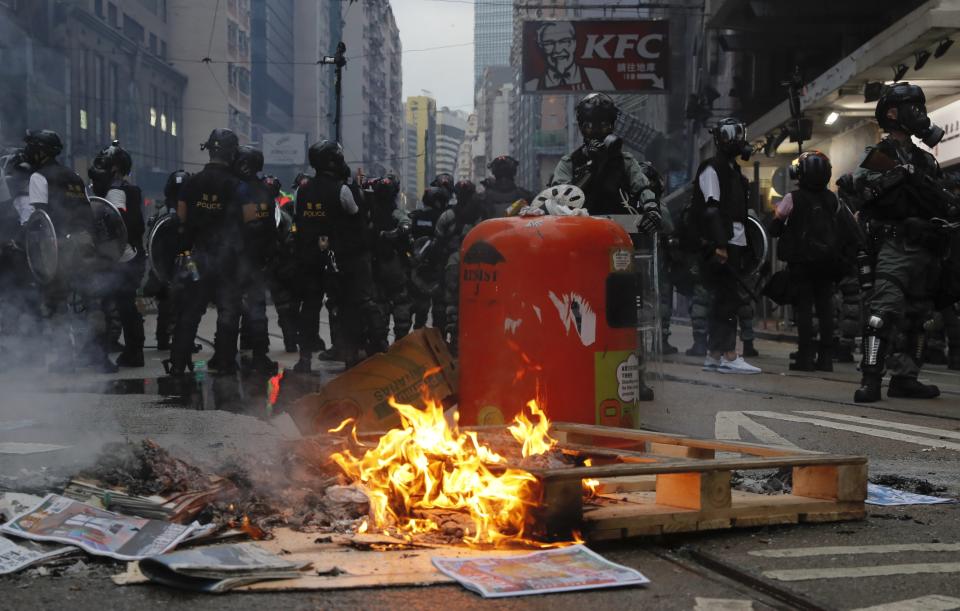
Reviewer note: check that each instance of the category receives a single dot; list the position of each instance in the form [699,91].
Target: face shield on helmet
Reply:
[596,116]
[41,146]
[813,171]
[910,113]
[730,137]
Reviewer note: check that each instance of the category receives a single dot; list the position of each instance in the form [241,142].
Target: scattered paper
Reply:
[14,503]
[15,557]
[888,497]
[564,569]
[16,447]
[99,532]
[180,507]
[218,568]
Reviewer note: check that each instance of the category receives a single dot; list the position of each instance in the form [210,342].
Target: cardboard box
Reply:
[362,391]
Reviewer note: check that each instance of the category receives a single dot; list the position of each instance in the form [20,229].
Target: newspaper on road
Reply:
[218,568]
[97,531]
[564,569]
[890,497]
[15,557]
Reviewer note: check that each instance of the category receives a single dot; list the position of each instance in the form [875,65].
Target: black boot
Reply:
[748,349]
[699,348]
[222,365]
[804,360]
[163,342]
[869,391]
[331,354]
[261,363]
[825,358]
[130,357]
[667,347]
[304,365]
[911,388]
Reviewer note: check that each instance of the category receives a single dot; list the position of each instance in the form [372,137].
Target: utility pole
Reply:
[338,60]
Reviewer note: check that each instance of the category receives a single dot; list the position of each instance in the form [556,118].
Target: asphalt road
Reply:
[737,569]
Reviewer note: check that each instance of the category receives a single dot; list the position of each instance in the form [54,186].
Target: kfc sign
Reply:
[595,55]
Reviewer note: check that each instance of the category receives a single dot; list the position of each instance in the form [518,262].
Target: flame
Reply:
[590,485]
[427,465]
[533,437]
[273,388]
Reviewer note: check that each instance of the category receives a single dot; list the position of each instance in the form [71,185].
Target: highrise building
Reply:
[422,142]
[372,97]
[451,127]
[492,36]
[272,65]
[317,29]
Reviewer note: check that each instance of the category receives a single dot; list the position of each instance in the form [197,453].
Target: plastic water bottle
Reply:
[191,266]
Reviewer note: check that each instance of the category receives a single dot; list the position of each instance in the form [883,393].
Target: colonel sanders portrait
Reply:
[557,41]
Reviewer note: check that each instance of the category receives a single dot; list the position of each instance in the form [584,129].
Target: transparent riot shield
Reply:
[40,243]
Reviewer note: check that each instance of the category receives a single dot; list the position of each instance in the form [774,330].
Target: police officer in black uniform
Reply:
[445,181]
[283,272]
[329,233]
[390,235]
[501,191]
[108,176]
[60,192]
[211,244]
[168,294]
[452,228]
[259,252]
[425,275]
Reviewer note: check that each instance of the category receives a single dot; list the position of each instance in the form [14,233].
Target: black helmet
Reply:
[813,171]
[503,166]
[911,105]
[464,190]
[654,177]
[436,197]
[248,161]
[107,160]
[596,116]
[444,181]
[272,183]
[299,180]
[386,188]
[730,137]
[171,191]
[326,156]
[41,146]
[222,143]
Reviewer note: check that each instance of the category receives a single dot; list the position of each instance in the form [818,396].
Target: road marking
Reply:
[885,570]
[887,424]
[728,425]
[934,602]
[15,447]
[837,550]
[722,604]
[922,441]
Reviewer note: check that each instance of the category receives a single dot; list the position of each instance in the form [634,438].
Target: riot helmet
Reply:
[171,191]
[248,161]
[327,156]
[730,138]
[596,116]
[273,184]
[653,177]
[911,116]
[813,171]
[465,190]
[444,181]
[386,188]
[222,145]
[41,147]
[436,198]
[503,167]
[110,160]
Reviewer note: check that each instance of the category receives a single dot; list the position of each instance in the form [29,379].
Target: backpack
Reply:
[687,230]
[811,234]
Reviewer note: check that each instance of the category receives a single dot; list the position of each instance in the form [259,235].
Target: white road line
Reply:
[934,602]
[837,550]
[885,570]
[722,604]
[887,424]
[728,425]
[922,441]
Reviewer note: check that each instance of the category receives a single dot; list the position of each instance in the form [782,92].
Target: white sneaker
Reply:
[710,363]
[737,365]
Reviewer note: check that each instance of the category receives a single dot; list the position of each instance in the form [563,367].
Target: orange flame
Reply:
[273,386]
[590,485]
[427,465]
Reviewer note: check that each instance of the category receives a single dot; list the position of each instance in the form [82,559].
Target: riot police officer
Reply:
[501,191]
[907,211]
[60,192]
[445,181]
[329,233]
[259,251]
[720,196]
[168,293]
[390,234]
[452,227]
[425,281]
[211,243]
[283,272]
[109,179]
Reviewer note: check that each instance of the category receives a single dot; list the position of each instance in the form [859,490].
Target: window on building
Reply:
[163,49]
[113,15]
[153,43]
[132,29]
[232,37]
[243,80]
[98,8]
[83,118]
[113,130]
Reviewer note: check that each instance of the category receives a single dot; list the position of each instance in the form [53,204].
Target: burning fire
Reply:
[273,388]
[425,465]
[590,485]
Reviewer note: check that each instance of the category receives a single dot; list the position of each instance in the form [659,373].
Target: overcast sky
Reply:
[446,73]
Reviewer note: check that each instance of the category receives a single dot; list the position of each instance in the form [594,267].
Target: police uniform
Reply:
[426,288]
[390,229]
[129,271]
[260,249]
[212,231]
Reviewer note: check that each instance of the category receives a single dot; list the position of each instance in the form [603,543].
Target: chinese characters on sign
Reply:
[581,56]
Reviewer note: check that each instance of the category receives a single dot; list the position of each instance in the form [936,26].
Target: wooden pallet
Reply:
[655,483]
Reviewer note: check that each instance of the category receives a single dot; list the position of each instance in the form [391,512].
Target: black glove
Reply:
[650,219]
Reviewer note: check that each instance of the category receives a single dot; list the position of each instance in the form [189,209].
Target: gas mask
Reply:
[913,117]
[731,140]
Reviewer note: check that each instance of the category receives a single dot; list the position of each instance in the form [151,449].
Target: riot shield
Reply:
[110,230]
[162,247]
[40,243]
[758,246]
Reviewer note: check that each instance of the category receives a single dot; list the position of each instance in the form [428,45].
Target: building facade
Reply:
[317,29]
[492,36]
[373,120]
[451,128]
[271,66]
[421,120]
